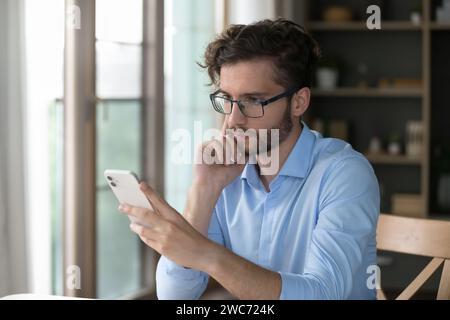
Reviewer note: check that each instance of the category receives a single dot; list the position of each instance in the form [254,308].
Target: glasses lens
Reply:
[221,105]
[251,109]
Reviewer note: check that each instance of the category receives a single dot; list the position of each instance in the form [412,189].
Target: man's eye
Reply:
[252,100]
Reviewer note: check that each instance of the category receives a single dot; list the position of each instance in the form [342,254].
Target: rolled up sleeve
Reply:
[346,224]
[175,282]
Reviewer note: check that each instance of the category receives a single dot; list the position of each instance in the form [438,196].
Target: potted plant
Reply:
[416,14]
[394,146]
[327,73]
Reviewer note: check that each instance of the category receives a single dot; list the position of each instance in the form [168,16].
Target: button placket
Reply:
[266,230]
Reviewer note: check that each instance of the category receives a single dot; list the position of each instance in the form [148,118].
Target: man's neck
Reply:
[284,150]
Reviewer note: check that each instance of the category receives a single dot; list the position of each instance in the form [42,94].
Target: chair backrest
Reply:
[424,237]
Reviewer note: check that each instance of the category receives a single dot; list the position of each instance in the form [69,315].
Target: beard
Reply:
[263,142]
[284,128]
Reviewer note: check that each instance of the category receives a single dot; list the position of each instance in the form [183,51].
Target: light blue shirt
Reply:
[316,226]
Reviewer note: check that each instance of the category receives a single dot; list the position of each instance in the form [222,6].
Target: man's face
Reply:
[254,80]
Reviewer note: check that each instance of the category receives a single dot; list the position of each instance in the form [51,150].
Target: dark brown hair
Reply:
[294,53]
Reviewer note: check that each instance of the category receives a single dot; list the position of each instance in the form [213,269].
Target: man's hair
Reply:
[293,52]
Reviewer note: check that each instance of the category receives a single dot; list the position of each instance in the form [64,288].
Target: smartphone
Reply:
[125,186]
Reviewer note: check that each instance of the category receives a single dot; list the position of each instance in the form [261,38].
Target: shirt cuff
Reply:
[180,272]
[294,287]
[285,288]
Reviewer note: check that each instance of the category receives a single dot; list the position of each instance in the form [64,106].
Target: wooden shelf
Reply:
[361,26]
[369,92]
[406,50]
[390,159]
[440,26]
[440,216]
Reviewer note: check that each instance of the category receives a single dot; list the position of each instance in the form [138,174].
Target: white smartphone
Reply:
[125,186]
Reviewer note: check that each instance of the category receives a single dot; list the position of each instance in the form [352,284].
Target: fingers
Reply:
[145,216]
[140,213]
[230,147]
[212,152]
[220,151]
[147,235]
[233,154]
[224,127]
[156,201]
[151,236]
[142,231]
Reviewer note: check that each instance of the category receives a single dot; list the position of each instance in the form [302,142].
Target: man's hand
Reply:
[168,232]
[218,162]
[172,236]
[211,178]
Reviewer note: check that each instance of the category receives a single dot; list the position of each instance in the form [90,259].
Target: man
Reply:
[306,231]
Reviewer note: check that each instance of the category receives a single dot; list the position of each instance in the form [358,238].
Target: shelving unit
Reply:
[315,26]
[401,49]
[440,26]
[369,92]
[393,159]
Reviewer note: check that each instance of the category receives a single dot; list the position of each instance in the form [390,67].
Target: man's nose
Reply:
[236,118]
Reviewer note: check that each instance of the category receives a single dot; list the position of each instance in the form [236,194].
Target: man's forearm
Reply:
[242,278]
[200,204]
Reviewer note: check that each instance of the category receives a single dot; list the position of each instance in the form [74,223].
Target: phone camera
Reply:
[109,178]
[113,184]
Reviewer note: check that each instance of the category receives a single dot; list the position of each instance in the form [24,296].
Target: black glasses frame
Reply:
[263,103]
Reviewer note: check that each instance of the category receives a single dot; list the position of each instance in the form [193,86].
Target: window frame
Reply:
[79,222]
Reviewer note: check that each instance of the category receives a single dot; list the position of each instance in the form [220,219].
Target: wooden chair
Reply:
[430,238]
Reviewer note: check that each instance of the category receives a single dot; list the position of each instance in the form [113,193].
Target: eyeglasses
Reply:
[251,108]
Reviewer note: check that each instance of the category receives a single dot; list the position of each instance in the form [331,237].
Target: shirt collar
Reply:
[297,163]
[251,175]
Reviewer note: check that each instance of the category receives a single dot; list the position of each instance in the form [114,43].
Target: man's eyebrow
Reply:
[246,94]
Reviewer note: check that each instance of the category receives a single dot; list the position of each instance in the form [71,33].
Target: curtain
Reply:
[13,255]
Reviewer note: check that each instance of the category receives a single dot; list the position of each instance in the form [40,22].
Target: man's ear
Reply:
[300,102]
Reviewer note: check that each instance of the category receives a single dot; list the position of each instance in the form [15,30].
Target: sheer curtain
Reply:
[13,255]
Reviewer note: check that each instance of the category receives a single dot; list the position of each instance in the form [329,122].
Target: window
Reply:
[119,123]
[189,26]
[118,250]
[119,127]
[118,58]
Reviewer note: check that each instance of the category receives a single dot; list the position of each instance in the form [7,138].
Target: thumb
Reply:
[155,199]
[160,206]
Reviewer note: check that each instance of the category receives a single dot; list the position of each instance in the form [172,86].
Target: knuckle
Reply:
[165,239]
[141,232]
[147,242]
[164,247]
[171,229]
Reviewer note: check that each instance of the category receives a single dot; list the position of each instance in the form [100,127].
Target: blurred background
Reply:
[87,85]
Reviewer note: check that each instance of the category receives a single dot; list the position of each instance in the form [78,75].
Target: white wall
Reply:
[248,11]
